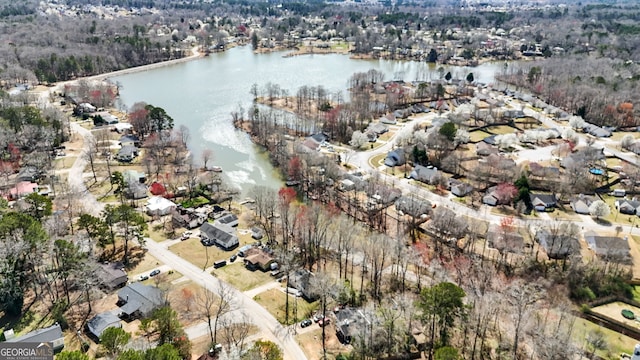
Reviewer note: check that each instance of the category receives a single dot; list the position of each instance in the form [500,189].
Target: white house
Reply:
[157,205]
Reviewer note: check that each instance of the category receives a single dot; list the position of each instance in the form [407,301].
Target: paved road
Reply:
[258,315]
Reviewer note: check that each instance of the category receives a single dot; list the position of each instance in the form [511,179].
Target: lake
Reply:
[201,94]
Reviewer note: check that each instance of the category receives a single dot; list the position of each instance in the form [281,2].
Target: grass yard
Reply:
[147,263]
[616,342]
[615,217]
[377,160]
[311,343]
[386,136]
[476,136]
[199,255]
[274,301]
[618,135]
[500,130]
[64,162]
[241,278]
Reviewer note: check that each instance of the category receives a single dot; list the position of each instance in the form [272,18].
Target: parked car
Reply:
[144,277]
[233,258]
[186,235]
[324,322]
[316,317]
[154,272]
[305,323]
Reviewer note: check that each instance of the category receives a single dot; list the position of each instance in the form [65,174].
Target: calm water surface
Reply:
[201,94]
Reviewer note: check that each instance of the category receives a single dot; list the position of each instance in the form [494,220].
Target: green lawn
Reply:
[274,301]
[476,136]
[616,342]
[500,130]
[199,255]
[241,278]
[377,160]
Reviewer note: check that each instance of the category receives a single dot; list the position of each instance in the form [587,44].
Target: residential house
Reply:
[139,300]
[484,149]
[129,140]
[346,185]
[413,206]
[127,153]
[425,174]
[99,323]
[542,202]
[159,206]
[580,204]
[629,207]
[258,259]
[589,156]
[596,131]
[29,174]
[121,128]
[608,247]
[112,275]
[187,218]
[135,191]
[490,140]
[314,141]
[22,189]
[256,233]
[133,176]
[390,119]
[228,219]
[378,128]
[395,158]
[52,334]
[220,235]
[505,241]
[546,172]
[556,245]
[301,281]
[459,188]
[350,324]
[86,108]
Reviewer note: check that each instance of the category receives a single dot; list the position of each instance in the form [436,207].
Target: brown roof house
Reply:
[505,241]
[258,259]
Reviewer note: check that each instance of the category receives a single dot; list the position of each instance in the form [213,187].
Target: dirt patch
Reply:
[311,343]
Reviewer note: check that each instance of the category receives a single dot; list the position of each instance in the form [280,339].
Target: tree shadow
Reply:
[602,222]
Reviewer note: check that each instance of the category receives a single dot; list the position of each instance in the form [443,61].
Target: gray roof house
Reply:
[228,220]
[505,241]
[99,323]
[52,334]
[459,188]
[608,247]
[220,235]
[557,246]
[425,174]
[395,158]
[413,206]
[138,299]
[135,191]
[129,140]
[630,207]
[127,153]
[301,281]
[580,204]
[112,275]
[596,131]
[350,323]
[378,128]
[542,202]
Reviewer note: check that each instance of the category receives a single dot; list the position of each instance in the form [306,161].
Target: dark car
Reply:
[154,272]
[233,258]
[305,323]
[144,277]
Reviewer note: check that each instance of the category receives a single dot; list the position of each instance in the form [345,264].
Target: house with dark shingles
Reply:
[187,218]
[629,207]
[129,140]
[139,300]
[596,131]
[557,246]
[542,202]
[127,153]
[580,204]
[350,323]
[99,323]
[220,235]
[395,158]
[112,275]
[425,174]
[505,241]
[228,220]
[52,334]
[608,247]
[301,281]
[459,188]
[413,206]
